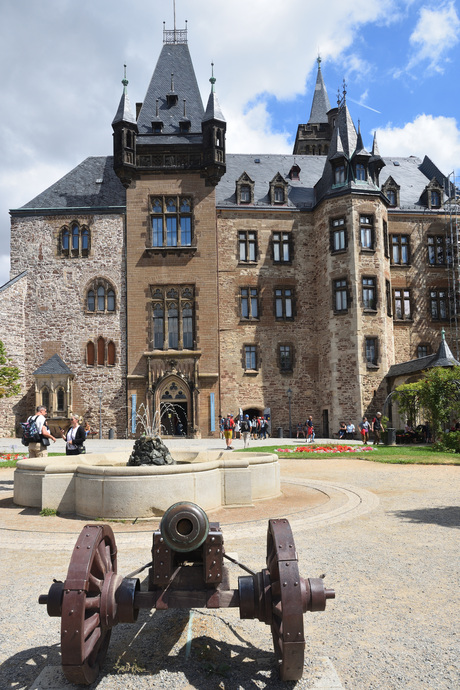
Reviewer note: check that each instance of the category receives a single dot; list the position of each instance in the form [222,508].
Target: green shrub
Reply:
[448,442]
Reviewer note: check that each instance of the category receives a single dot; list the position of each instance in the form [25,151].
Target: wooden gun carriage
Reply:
[186,571]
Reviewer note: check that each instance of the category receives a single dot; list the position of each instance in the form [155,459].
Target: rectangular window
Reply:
[439,250]
[247,241]
[283,304]
[249,303]
[400,250]
[173,317]
[402,304]
[285,357]
[340,295]
[339,174]
[423,350]
[369,293]
[171,219]
[438,305]
[371,351]
[366,226]
[338,235]
[281,247]
[388,297]
[250,357]
[386,248]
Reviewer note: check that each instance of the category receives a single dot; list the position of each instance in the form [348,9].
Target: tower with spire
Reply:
[314,137]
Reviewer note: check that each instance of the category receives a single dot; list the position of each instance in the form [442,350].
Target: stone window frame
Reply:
[247,246]
[388,296]
[289,367]
[244,184]
[74,240]
[386,244]
[367,232]
[250,355]
[402,304]
[360,171]
[369,294]
[249,303]
[340,287]
[398,245]
[338,230]
[278,191]
[391,186]
[434,241]
[434,194]
[164,299]
[101,289]
[282,247]
[371,351]
[423,350]
[283,303]
[179,235]
[439,299]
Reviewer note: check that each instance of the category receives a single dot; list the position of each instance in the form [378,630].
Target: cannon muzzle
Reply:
[184,527]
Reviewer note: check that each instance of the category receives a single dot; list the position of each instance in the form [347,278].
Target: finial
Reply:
[344,90]
[338,98]
[443,334]
[212,79]
[124,81]
[318,60]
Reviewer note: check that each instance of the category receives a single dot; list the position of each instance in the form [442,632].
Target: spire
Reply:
[375,146]
[213,110]
[320,105]
[124,112]
[444,356]
[360,150]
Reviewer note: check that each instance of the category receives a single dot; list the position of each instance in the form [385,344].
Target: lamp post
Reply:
[100,411]
[289,395]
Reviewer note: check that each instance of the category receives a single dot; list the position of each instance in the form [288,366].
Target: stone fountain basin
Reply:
[102,486]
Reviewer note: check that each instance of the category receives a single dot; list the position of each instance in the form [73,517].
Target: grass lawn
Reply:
[10,459]
[405,455]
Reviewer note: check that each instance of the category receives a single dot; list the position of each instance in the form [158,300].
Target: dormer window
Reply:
[435,199]
[244,190]
[294,173]
[278,190]
[278,195]
[434,194]
[157,127]
[391,190]
[391,195]
[360,172]
[339,174]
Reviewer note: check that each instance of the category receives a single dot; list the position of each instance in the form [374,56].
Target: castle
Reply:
[176,278]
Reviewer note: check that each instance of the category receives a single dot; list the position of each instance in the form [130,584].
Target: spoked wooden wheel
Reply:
[88,604]
[286,593]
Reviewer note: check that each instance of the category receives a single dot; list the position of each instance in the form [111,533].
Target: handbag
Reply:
[45,441]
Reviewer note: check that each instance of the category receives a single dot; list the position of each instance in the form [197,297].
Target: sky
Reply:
[62,66]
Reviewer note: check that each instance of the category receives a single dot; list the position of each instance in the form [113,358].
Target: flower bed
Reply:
[326,449]
[11,457]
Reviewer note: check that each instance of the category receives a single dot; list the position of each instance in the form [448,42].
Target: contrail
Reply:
[365,106]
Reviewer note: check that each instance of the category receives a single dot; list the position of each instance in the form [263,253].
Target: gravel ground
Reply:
[388,546]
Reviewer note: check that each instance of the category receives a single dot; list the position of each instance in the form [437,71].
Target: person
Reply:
[263,428]
[228,430]
[310,430]
[237,429]
[221,426]
[246,430]
[300,430]
[365,427]
[377,428]
[409,433]
[39,449]
[350,430]
[74,437]
[342,430]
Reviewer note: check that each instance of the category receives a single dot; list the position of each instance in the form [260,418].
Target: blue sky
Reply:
[63,65]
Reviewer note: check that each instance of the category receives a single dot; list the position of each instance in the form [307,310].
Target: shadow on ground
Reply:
[449,516]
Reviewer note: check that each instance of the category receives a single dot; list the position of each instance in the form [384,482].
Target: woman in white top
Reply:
[74,437]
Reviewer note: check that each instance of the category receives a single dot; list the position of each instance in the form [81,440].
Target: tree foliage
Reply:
[9,375]
[437,396]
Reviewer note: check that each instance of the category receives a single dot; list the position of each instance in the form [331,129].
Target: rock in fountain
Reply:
[150,451]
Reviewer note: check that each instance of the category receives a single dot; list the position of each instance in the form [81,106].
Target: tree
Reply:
[9,375]
[437,395]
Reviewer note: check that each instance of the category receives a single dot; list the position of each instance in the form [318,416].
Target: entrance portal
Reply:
[173,418]
[173,400]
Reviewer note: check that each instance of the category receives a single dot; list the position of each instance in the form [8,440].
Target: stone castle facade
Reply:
[176,278]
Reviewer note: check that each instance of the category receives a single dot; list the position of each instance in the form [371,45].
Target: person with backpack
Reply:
[246,430]
[39,434]
[229,425]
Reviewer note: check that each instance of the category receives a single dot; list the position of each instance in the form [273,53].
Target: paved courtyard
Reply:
[385,537]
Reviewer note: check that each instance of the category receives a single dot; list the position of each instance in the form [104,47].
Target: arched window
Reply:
[339,174]
[75,238]
[111,354]
[84,240]
[90,354]
[46,397]
[101,351]
[158,327]
[60,399]
[90,303]
[65,240]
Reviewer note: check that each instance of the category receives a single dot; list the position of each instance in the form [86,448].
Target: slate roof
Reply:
[174,60]
[80,189]
[442,358]
[300,192]
[407,173]
[54,365]
[124,112]
[320,105]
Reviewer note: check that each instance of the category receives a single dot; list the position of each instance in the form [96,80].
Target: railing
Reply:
[175,36]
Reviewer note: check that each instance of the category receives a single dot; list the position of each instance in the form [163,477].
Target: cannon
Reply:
[186,571]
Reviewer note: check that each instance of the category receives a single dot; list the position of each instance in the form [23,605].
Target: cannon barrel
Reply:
[184,527]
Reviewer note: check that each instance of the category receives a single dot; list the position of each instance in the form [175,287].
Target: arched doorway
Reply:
[173,399]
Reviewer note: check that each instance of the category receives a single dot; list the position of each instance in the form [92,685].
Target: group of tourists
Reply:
[231,427]
[37,435]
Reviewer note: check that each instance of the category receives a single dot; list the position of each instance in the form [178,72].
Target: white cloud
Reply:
[436,33]
[436,137]
[4,268]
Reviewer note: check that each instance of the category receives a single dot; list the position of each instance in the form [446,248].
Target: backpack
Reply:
[227,425]
[30,431]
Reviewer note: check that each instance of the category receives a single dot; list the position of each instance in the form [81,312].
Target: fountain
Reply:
[119,485]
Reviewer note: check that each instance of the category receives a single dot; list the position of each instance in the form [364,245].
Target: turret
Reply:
[213,127]
[124,138]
